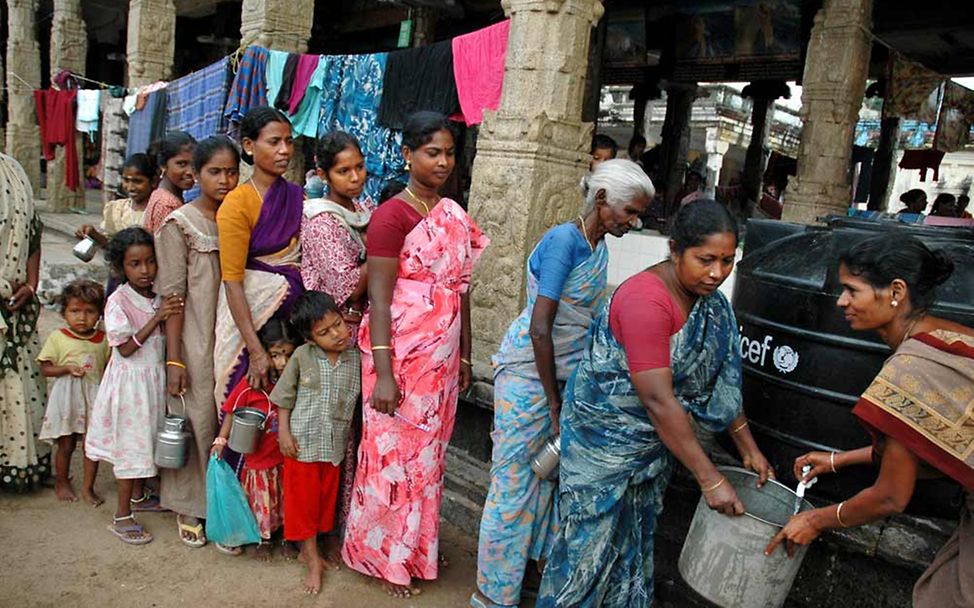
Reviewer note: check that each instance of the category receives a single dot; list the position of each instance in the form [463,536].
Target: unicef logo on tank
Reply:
[785,359]
[756,351]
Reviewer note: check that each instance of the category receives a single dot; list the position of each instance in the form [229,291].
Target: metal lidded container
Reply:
[545,462]
[84,250]
[172,441]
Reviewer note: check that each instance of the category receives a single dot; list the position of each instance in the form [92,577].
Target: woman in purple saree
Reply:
[260,254]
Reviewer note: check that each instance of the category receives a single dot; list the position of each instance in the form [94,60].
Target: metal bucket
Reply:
[248,424]
[172,441]
[723,557]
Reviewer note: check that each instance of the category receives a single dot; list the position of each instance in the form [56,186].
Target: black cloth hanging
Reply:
[283,100]
[418,79]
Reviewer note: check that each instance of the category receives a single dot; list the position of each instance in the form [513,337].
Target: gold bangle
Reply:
[176,364]
[832,461]
[738,429]
[715,486]
[838,514]
[467,361]
[381,347]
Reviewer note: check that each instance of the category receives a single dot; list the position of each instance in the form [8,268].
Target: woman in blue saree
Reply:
[566,285]
[664,346]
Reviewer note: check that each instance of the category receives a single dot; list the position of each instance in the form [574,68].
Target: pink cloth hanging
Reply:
[478,67]
[307,64]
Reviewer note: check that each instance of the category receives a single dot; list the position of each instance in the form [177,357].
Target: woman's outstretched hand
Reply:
[800,530]
[821,462]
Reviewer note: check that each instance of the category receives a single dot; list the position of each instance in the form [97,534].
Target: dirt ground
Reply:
[60,554]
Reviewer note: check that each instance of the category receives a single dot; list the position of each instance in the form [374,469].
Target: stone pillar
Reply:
[716,150]
[69,51]
[284,25]
[640,99]
[3,100]
[833,84]
[763,95]
[151,41]
[23,76]
[883,164]
[754,157]
[424,26]
[593,79]
[675,140]
[531,154]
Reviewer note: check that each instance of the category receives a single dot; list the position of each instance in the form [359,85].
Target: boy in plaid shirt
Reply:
[316,397]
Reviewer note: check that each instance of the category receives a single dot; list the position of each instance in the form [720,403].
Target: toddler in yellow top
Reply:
[75,357]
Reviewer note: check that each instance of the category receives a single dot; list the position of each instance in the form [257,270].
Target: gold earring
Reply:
[409,166]
[894,303]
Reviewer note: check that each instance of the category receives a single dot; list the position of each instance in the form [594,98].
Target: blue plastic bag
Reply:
[229,520]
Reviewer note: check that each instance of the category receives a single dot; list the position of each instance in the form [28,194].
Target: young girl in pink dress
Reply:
[131,400]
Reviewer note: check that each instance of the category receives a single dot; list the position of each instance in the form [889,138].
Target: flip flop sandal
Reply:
[478,600]
[147,504]
[195,530]
[228,550]
[125,533]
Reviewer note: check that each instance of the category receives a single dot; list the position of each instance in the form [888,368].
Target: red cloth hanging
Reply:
[55,115]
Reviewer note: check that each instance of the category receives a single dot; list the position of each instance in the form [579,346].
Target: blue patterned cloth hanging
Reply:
[352,93]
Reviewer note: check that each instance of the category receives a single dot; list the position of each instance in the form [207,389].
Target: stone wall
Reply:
[531,154]
[151,41]
[277,24]
[833,85]
[23,76]
[69,51]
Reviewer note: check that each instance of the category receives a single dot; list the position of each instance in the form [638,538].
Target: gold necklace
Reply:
[909,328]
[256,189]
[418,200]
[581,222]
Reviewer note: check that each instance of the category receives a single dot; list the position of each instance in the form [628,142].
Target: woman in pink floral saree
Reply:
[415,343]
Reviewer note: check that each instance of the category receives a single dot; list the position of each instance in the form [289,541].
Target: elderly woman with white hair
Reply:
[566,285]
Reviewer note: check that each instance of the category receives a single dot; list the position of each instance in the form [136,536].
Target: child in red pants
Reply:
[316,397]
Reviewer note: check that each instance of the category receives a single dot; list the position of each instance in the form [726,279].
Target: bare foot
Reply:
[312,582]
[289,551]
[400,591]
[331,562]
[64,491]
[89,496]
[263,552]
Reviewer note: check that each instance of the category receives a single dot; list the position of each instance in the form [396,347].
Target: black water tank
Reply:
[804,368]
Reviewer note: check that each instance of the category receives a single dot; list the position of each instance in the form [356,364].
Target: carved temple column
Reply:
[23,76]
[284,25]
[675,140]
[833,85]
[763,95]
[531,154]
[151,41]
[69,51]
[883,166]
